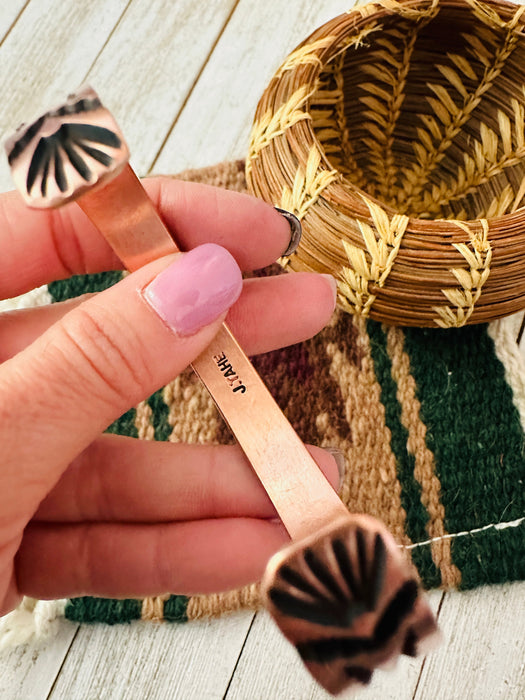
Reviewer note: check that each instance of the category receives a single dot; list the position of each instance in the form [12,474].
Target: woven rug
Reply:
[430,421]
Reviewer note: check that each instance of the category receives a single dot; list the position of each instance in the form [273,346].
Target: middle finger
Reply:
[272,312]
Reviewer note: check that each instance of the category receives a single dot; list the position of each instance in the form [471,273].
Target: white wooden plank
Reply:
[28,672]
[216,121]
[144,660]
[150,63]
[483,656]
[47,55]
[270,668]
[9,11]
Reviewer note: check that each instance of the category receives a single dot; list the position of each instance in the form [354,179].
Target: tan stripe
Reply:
[153,608]
[425,467]
[143,424]
[330,437]
[371,484]
[192,413]
[221,603]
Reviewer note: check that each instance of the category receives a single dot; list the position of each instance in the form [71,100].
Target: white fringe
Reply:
[36,297]
[33,620]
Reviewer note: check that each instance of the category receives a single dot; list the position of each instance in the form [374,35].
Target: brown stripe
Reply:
[371,484]
[200,606]
[425,467]
[299,379]
[153,608]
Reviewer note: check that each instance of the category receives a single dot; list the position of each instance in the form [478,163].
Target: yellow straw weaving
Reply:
[396,132]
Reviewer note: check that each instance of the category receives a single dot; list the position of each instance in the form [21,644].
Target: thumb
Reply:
[105,356]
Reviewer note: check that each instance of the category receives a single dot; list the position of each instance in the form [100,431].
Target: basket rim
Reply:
[356,17]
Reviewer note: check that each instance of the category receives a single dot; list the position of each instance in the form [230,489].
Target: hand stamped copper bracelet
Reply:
[343,592]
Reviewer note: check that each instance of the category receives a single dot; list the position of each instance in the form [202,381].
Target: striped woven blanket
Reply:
[430,421]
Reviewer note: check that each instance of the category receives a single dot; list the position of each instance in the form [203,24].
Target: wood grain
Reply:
[149,66]
[9,12]
[483,654]
[29,671]
[269,668]
[47,55]
[216,121]
[145,660]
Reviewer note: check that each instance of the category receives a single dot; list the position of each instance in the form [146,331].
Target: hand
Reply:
[82,513]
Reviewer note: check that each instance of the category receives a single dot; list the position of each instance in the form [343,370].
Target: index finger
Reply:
[40,246]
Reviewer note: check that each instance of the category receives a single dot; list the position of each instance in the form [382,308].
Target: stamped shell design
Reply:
[349,603]
[65,151]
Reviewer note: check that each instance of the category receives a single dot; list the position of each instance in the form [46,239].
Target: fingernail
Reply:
[340,460]
[198,287]
[333,284]
[296,230]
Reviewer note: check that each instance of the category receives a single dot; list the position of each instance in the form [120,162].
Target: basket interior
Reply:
[428,116]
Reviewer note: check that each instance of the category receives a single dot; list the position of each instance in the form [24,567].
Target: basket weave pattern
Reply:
[396,132]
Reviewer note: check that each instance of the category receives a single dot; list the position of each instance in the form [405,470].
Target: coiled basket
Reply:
[396,132]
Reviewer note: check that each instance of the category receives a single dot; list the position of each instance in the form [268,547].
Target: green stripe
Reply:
[82,284]
[474,431]
[160,414]
[112,612]
[175,608]
[417,516]
[125,425]
[492,556]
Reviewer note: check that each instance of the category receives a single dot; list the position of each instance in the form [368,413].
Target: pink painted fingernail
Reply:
[198,287]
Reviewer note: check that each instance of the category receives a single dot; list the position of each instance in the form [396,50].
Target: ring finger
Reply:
[122,479]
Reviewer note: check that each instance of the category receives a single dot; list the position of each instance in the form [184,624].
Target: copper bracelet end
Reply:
[66,151]
[349,601]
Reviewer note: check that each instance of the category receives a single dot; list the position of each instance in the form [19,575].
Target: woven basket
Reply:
[396,132]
